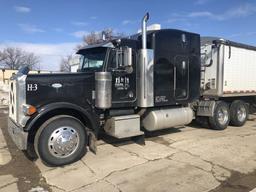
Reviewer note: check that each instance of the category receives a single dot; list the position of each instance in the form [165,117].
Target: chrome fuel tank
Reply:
[167,118]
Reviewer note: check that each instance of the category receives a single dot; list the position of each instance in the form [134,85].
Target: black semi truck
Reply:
[146,82]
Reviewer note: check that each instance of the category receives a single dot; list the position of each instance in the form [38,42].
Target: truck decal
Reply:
[32,87]
[122,83]
[160,99]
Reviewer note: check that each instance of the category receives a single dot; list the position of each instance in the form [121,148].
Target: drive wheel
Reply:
[238,113]
[221,116]
[61,140]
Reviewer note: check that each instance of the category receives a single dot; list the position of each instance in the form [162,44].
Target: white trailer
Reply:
[228,82]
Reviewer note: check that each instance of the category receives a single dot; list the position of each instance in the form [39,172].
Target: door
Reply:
[181,78]
[123,82]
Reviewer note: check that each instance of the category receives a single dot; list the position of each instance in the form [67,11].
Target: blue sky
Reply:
[52,28]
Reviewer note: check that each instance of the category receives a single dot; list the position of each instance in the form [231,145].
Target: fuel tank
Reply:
[167,118]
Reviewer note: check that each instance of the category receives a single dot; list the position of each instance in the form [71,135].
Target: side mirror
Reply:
[124,57]
[127,56]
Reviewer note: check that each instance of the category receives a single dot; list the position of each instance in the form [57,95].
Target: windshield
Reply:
[92,59]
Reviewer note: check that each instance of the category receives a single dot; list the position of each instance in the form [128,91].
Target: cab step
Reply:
[123,126]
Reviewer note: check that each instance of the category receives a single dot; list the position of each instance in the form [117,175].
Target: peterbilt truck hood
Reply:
[76,88]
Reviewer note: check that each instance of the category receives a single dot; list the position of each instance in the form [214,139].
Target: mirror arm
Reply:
[211,60]
[210,64]
[118,72]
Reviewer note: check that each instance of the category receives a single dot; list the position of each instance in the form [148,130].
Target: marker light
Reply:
[29,109]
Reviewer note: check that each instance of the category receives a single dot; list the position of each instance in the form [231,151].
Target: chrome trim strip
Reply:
[21,99]
[145,88]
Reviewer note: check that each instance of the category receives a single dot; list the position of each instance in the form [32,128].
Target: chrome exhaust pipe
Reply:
[144,30]
[145,87]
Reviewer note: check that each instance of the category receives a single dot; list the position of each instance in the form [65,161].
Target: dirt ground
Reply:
[189,159]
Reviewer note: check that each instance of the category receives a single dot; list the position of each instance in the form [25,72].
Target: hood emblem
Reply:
[56,85]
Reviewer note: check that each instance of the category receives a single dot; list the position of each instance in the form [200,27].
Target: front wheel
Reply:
[221,116]
[61,140]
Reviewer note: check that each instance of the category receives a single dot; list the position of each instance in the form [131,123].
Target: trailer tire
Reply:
[61,140]
[221,116]
[238,113]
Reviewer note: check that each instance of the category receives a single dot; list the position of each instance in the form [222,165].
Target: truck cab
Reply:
[118,59]
[123,88]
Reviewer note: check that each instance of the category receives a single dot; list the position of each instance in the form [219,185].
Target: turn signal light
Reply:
[29,109]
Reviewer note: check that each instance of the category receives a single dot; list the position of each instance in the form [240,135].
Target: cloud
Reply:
[174,20]
[127,22]
[241,11]
[22,9]
[251,33]
[30,28]
[57,29]
[201,2]
[79,23]
[248,34]
[200,14]
[236,12]
[79,34]
[93,17]
[50,54]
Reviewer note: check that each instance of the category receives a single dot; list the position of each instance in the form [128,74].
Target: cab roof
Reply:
[107,44]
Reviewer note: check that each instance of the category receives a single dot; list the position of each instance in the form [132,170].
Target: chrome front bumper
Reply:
[17,134]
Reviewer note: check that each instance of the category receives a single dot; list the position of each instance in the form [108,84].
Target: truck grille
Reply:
[13,100]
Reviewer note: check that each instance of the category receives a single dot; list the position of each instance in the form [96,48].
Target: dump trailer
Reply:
[228,82]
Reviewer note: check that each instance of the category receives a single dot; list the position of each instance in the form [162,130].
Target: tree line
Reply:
[14,57]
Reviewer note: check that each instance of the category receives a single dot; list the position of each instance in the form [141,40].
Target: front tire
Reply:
[61,140]
[221,116]
[238,113]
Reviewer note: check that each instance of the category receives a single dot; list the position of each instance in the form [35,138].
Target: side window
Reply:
[181,75]
[112,64]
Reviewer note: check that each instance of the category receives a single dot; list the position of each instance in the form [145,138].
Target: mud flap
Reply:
[92,142]
[140,140]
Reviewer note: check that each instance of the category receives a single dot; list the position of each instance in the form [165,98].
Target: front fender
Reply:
[87,112]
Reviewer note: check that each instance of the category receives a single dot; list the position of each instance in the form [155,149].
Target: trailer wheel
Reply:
[238,113]
[221,116]
[61,140]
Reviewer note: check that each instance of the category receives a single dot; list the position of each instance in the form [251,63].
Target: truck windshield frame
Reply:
[93,59]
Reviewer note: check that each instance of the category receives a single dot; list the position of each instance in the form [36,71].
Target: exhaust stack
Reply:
[144,30]
[145,87]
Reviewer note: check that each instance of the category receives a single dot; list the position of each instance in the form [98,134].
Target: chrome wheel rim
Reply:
[222,116]
[63,142]
[241,113]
